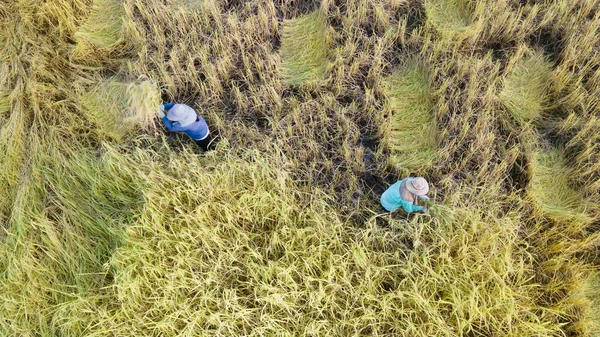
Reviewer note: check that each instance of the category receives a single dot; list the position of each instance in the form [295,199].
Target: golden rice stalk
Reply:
[587,164]
[105,105]
[591,290]
[13,147]
[498,20]
[4,104]
[143,98]
[102,31]
[117,107]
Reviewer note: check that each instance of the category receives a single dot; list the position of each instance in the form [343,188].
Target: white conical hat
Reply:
[417,185]
[183,114]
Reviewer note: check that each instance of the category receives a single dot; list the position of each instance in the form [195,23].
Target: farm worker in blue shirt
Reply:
[182,118]
[406,193]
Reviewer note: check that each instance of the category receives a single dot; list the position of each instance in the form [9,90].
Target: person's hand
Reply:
[161,111]
[424,197]
[425,210]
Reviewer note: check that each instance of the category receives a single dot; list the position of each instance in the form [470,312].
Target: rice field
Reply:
[112,226]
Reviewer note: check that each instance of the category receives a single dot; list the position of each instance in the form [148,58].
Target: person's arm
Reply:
[170,125]
[168,106]
[409,207]
[427,203]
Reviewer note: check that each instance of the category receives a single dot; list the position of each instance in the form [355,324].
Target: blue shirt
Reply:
[391,200]
[197,130]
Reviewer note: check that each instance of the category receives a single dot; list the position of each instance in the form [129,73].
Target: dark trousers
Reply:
[206,143]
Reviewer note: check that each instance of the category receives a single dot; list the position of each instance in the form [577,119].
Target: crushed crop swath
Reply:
[102,30]
[552,190]
[525,86]
[304,49]
[143,98]
[4,104]
[106,105]
[448,15]
[116,107]
[591,290]
[4,91]
[412,136]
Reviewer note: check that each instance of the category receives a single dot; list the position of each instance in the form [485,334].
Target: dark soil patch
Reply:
[291,9]
[516,4]
[372,181]
[416,17]
[501,52]
[276,40]
[551,41]
[232,5]
[519,179]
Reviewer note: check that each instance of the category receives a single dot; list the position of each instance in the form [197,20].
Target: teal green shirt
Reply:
[391,200]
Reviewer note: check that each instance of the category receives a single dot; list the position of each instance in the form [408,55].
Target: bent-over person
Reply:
[182,118]
[406,193]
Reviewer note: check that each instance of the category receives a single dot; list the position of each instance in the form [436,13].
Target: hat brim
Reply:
[413,190]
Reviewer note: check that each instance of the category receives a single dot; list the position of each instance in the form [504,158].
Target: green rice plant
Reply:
[448,16]
[525,86]
[552,190]
[304,49]
[412,136]
[102,30]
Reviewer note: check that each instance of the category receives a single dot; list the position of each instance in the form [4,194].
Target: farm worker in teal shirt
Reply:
[406,193]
